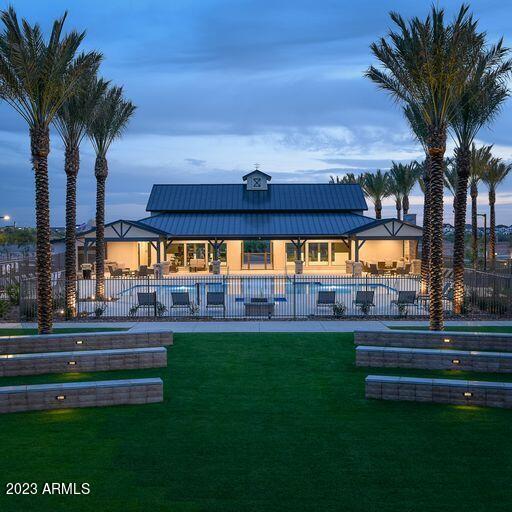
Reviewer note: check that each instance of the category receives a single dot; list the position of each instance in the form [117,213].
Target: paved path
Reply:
[264,326]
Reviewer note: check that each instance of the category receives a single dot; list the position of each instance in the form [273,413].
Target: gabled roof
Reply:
[235,197]
[257,171]
[122,229]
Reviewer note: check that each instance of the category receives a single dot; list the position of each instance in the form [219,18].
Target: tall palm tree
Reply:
[420,130]
[111,118]
[480,159]
[485,91]
[405,176]
[495,174]
[426,63]
[36,77]
[395,190]
[71,123]
[376,188]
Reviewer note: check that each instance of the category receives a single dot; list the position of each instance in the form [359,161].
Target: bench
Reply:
[444,391]
[435,339]
[434,359]
[85,341]
[84,361]
[80,394]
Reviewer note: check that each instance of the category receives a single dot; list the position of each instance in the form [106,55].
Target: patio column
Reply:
[216,261]
[299,264]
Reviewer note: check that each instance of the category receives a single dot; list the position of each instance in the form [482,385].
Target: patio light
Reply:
[79,342]
[72,363]
[447,340]
[60,397]
[456,361]
[468,394]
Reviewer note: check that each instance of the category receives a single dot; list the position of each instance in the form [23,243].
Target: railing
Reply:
[14,270]
[487,293]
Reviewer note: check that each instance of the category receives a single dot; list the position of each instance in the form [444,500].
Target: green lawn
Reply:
[262,422]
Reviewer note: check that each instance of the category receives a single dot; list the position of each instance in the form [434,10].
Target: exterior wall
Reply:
[382,250]
[279,254]
[124,253]
[234,254]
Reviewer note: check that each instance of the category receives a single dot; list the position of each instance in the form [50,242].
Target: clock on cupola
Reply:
[256,180]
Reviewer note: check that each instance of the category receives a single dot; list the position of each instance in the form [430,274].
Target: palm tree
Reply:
[395,190]
[405,176]
[36,77]
[480,159]
[426,64]
[495,174]
[347,179]
[71,123]
[376,187]
[112,115]
[485,91]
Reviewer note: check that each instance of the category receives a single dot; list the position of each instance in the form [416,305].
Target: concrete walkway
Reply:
[263,326]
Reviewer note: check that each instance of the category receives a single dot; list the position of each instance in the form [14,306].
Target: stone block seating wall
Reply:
[82,361]
[496,342]
[444,391]
[433,359]
[85,341]
[80,394]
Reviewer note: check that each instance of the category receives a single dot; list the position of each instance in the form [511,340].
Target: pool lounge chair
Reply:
[216,300]
[147,300]
[180,300]
[326,299]
[364,300]
[404,299]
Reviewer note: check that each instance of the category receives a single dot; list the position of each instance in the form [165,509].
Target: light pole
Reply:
[7,218]
[484,215]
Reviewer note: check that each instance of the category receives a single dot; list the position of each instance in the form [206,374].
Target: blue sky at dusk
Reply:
[220,85]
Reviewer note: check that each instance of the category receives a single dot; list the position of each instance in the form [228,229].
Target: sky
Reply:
[220,85]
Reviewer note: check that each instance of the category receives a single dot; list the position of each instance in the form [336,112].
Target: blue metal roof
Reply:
[281,197]
[231,225]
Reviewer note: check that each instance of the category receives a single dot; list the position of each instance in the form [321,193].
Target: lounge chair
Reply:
[115,272]
[364,301]
[216,300]
[374,270]
[180,300]
[326,299]
[147,300]
[404,299]
[447,294]
[259,306]
[144,271]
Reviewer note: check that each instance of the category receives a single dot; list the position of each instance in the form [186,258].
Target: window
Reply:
[196,251]
[291,253]
[318,253]
[339,253]
[176,253]
[222,253]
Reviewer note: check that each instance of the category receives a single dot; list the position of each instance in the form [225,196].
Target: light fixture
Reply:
[72,363]
[447,340]
[468,394]
[456,361]
[6,217]
[79,342]
[60,397]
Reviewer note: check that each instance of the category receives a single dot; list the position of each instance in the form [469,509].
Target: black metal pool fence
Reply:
[271,296]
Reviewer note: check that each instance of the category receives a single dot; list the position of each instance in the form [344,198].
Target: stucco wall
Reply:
[124,253]
[381,250]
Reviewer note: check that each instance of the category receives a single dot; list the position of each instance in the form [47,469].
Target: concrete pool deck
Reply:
[261,326]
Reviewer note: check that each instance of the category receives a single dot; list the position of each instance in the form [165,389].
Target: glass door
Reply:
[318,253]
[257,254]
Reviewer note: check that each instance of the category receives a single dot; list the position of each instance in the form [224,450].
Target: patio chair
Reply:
[326,299]
[115,272]
[404,299]
[144,271]
[374,270]
[216,300]
[180,300]
[147,300]
[364,300]
[405,270]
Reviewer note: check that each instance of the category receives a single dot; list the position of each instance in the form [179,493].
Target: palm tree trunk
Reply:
[40,148]
[405,204]
[463,165]
[101,172]
[474,224]
[71,166]
[425,240]
[398,204]
[492,226]
[378,209]
[437,147]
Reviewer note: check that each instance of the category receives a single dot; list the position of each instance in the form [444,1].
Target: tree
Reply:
[111,118]
[376,187]
[405,177]
[347,179]
[480,159]
[450,178]
[485,91]
[425,63]
[71,123]
[396,191]
[36,77]
[495,174]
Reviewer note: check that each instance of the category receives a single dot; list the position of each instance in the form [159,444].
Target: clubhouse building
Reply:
[255,226]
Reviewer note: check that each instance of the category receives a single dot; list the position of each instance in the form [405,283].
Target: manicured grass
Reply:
[262,422]
[462,328]
[24,331]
